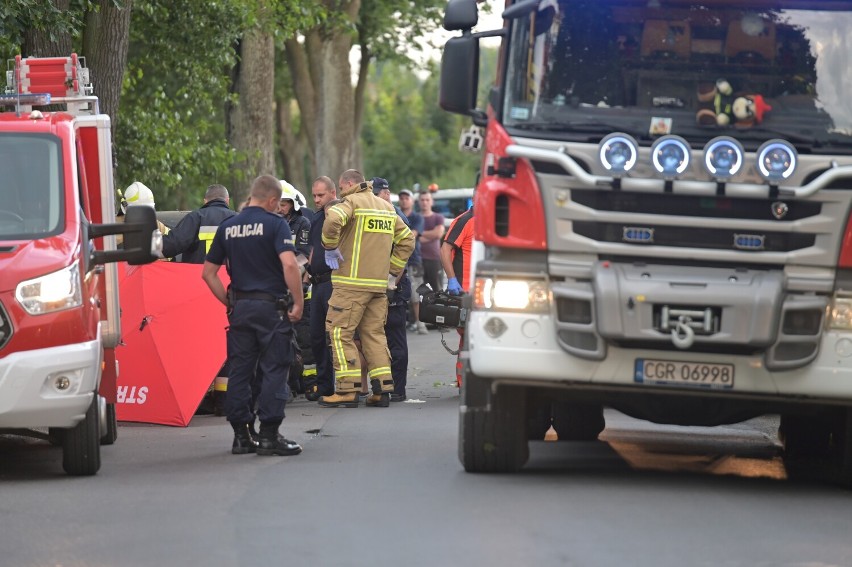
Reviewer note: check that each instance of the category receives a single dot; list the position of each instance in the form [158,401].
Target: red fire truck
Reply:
[664,209]
[59,311]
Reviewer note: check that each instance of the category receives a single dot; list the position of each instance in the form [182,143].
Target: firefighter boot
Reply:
[272,443]
[243,442]
[377,399]
[340,400]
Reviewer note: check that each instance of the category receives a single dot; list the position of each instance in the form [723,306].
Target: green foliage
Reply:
[171,125]
[19,16]
[407,138]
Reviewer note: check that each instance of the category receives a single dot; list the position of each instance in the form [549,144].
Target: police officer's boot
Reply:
[272,443]
[243,443]
[340,400]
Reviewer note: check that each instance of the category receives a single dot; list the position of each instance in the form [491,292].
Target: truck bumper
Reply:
[528,350]
[31,385]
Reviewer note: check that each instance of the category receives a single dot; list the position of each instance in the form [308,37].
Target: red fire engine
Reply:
[59,310]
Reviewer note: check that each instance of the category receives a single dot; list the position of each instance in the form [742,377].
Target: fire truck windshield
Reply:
[580,69]
[31,197]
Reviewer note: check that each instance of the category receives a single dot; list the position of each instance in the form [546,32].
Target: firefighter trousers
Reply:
[366,311]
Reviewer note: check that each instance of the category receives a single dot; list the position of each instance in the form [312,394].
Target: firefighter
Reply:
[137,194]
[190,240]
[366,245]
[291,207]
[257,246]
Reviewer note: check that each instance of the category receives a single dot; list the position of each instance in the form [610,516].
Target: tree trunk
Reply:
[252,118]
[322,81]
[38,43]
[292,148]
[105,43]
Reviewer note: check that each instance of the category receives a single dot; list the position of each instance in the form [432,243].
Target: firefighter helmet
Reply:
[293,194]
[137,193]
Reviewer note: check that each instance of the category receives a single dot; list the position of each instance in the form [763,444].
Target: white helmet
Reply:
[293,194]
[137,193]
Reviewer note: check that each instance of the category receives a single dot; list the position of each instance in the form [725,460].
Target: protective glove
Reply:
[453,287]
[333,258]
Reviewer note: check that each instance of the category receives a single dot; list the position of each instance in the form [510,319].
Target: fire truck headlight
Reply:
[840,314]
[776,160]
[512,295]
[723,157]
[52,292]
[670,156]
[618,153]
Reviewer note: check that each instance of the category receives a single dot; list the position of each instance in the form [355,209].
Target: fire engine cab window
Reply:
[585,68]
[31,199]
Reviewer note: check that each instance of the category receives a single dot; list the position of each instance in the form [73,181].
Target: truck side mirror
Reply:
[460,76]
[460,15]
[143,242]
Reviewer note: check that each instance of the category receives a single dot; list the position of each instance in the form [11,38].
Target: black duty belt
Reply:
[321,278]
[256,295]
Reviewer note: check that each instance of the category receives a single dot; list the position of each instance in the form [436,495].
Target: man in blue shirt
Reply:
[257,246]
[415,262]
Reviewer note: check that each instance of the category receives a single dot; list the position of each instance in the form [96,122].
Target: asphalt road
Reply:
[384,487]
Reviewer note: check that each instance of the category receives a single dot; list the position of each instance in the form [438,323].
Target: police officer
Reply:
[257,244]
[364,242]
[190,240]
[397,311]
[325,195]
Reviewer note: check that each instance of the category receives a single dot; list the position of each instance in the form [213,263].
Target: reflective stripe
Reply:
[402,235]
[205,235]
[356,250]
[379,371]
[375,213]
[359,281]
[340,212]
[337,344]
[397,262]
[341,374]
[309,372]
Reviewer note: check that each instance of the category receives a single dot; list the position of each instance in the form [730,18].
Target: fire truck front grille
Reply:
[692,206]
[5,327]
[707,238]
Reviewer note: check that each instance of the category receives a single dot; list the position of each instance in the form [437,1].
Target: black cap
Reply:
[379,183]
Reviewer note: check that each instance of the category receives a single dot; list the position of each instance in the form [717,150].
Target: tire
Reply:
[492,427]
[55,435]
[538,419]
[81,446]
[111,434]
[578,422]
[819,447]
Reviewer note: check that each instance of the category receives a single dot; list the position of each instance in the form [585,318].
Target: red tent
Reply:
[173,331]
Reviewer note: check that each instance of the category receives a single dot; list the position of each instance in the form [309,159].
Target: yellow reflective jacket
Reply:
[371,237]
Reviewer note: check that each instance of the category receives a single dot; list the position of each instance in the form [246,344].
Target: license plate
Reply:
[671,372]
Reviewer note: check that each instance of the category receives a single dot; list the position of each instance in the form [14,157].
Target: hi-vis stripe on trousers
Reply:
[366,311]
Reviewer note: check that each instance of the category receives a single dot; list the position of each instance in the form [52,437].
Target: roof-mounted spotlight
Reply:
[618,153]
[776,160]
[670,156]
[723,157]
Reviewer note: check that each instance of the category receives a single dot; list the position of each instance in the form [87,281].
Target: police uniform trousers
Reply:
[348,310]
[320,295]
[260,351]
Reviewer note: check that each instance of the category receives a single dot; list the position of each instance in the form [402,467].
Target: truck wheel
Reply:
[111,434]
[492,427]
[81,446]
[538,419]
[578,422]
[819,447]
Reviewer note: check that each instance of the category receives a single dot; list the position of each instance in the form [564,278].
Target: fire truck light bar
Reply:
[35,99]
